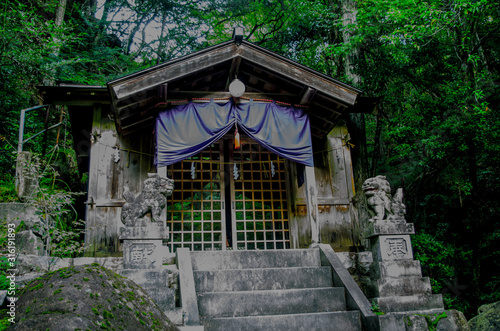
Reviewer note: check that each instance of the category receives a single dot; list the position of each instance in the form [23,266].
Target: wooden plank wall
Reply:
[109,173]
[115,162]
[337,219]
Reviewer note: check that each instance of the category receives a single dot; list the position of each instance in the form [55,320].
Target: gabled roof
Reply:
[135,98]
[209,72]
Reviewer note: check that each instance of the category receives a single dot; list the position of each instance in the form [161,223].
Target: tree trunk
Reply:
[349,13]
[376,147]
[355,121]
[61,10]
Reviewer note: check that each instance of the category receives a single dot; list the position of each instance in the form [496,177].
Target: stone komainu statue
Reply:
[382,205]
[152,199]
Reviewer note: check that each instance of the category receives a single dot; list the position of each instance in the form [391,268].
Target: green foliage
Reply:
[433,320]
[376,309]
[4,266]
[59,228]
[4,319]
[440,261]
[7,189]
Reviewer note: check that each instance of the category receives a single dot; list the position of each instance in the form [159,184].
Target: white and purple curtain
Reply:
[185,130]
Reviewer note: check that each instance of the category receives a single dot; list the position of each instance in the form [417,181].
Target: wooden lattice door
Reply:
[195,211]
[229,199]
[259,206]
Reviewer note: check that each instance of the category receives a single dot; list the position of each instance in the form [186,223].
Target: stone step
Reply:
[262,279]
[410,303]
[342,321]
[252,303]
[286,258]
[404,286]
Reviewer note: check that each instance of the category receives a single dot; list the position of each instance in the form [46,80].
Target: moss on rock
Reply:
[488,318]
[99,307]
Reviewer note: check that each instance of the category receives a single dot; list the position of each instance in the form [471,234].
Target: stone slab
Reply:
[395,269]
[256,303]
[215,260]
[187,288]
[388,228]
[262,279]
[160,284]
[143,254]
[345,321]
[403,286]
[149,230]
[392,247]
[410,303]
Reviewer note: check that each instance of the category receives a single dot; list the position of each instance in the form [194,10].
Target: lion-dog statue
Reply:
[152,199]
[382,206]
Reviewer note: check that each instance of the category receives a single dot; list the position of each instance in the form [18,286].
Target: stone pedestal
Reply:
[143,245]
[397,283]
[26,175]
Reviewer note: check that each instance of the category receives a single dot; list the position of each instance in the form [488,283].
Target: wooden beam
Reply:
[307,95]
[204,77]
[130,106]
[276,85]
[180,95]
[321,118]
[235,66]
[162,91]
[299,74]
[257,70]
[318,105]
[316,135]
[142,121]
[137,127]
[171,71]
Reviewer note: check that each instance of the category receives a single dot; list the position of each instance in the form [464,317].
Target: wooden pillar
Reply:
[312,204]
[91,228]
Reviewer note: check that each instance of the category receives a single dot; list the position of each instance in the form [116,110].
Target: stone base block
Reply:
[175,316]
[391,248]
[143,254]
[396,269]
[409,303]
[160,284]
[149,230]
[28,243]
[403,286]
[383,228]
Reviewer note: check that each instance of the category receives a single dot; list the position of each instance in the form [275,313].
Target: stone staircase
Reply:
[269,290]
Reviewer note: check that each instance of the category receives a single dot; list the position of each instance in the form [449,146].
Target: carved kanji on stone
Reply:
[397,247]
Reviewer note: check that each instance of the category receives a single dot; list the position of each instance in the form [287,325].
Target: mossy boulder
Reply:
[88,297]
[488,318]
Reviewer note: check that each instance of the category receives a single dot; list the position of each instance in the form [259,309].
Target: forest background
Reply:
[435,66]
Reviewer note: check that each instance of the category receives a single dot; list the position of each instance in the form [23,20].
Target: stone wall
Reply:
[27,242]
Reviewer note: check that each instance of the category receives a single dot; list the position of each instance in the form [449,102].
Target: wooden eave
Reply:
[74,95]
[136,98]
[207,74]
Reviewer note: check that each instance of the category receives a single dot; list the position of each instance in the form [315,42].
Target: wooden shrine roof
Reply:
[137,97]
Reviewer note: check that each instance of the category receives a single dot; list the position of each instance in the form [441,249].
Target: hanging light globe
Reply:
[236,88]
